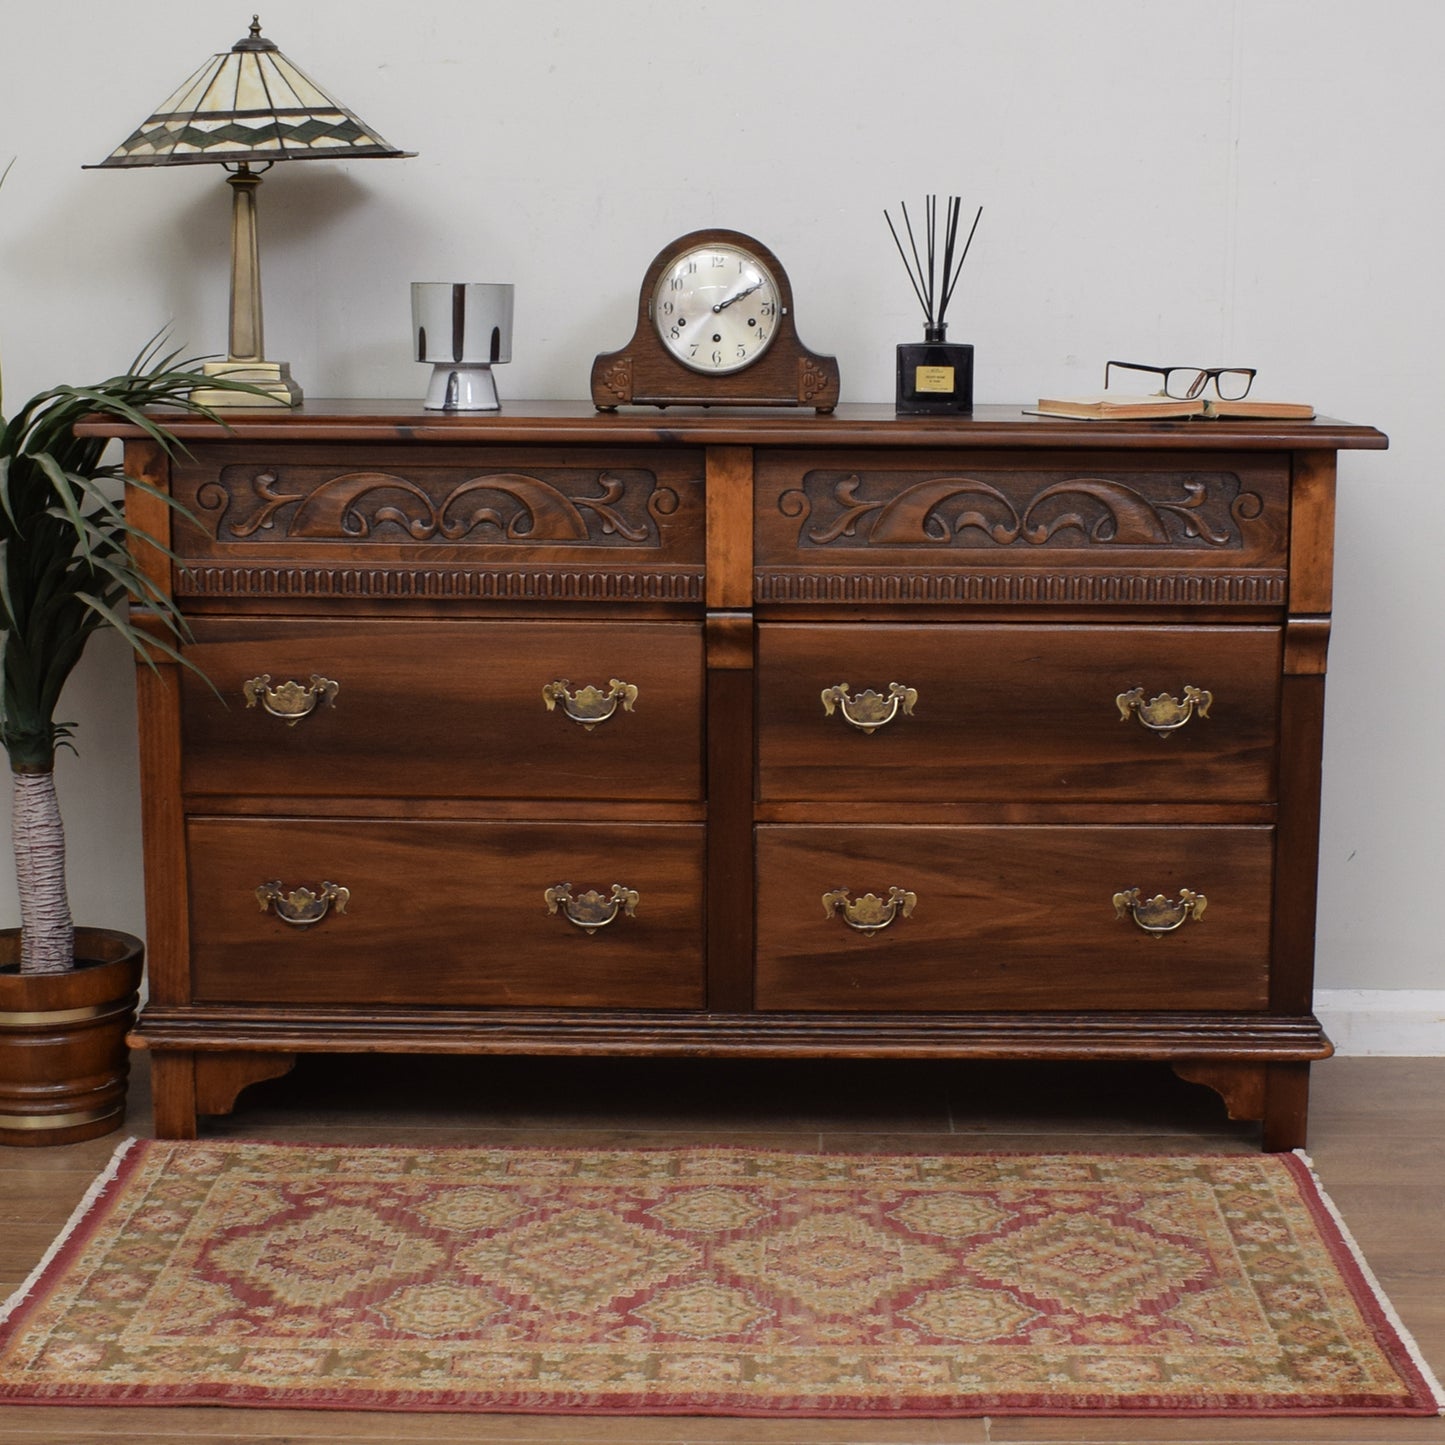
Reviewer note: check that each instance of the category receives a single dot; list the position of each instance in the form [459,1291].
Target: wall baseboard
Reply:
[1402,1021]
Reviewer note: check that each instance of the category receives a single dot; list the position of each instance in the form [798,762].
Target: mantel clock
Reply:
[715,327]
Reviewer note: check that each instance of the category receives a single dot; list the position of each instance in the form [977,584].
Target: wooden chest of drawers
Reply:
[756,734]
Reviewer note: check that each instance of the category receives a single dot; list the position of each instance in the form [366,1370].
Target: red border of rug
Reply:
[1428,1399]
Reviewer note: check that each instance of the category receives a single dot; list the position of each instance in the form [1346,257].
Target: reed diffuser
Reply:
[934,375]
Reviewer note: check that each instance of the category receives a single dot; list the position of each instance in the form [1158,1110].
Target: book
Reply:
[1119,407]
[1280,410]
[1115,406]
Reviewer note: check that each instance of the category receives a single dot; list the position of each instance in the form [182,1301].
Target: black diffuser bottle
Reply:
[935,376]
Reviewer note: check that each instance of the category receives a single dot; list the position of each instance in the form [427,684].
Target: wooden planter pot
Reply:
[63,1056]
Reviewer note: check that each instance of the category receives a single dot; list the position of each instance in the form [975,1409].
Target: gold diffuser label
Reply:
[933,378]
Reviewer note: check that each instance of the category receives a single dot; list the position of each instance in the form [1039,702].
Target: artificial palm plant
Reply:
[66,571]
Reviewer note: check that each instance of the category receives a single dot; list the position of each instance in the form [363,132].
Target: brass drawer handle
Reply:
[592,910]
[301,907]
[1159,914]
[292,701]
[1164,714]
[870,912]
[870,710]
[590,705]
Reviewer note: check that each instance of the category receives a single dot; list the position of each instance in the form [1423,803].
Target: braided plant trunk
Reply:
[47,932]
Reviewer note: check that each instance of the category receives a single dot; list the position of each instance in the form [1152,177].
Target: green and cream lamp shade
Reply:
[248,107]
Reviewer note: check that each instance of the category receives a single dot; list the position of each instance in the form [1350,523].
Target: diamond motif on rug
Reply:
[468,1209]
[702,1311]
[1100,1266]
[834,1263]
[966,1312]
[710,1210]
[437,1310]
[578,1259]
[322,1259]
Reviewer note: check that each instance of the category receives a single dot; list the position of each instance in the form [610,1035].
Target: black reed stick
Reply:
[947,295]
[932,284]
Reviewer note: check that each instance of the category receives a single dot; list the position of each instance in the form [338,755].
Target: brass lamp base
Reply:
[273,377]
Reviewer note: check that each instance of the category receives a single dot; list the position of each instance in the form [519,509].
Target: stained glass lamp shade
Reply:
[249,106]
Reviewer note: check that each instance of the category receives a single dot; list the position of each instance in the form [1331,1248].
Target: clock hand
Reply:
[737,296]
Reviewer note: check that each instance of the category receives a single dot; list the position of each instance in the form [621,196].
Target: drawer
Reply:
[549,524]
[1048,528]
[446,914]
[444,709]
[1011,919]
[1016,713]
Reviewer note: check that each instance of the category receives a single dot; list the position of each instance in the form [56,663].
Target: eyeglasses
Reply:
[1184,383]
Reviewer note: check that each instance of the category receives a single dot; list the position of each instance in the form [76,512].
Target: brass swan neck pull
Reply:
[590,705]
[592,910]
[301,907]
[291,701]
[1159,915]
[870,710]
[1164,714]
[870,912]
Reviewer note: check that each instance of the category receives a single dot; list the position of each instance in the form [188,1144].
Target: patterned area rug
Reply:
[707,1281]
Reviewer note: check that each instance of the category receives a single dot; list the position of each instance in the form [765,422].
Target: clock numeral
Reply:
[719,263]
[674,283]
[690,269]
[767,308]
[742,351]
[675,332]
[717,358]
[667,308]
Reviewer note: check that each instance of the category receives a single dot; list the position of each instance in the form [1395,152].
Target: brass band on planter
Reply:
[870,912]
[1164,714]
[32,1017]
[591,910]
[291,701]
[301,907]
[590,705]
[870,710]
[58,1121]
[1159,914]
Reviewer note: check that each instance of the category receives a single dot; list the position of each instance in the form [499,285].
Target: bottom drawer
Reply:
[447,913]
[1010,918]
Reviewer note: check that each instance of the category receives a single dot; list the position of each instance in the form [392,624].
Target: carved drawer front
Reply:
[568,710]
[996,713]
[923,528]
[999,918]
[512,915]
[598,524]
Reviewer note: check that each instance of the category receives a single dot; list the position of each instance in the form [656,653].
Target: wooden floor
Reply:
[1376,1137]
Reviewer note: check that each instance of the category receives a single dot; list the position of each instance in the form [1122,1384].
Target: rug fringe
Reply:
[87,1203]
[1432,1383]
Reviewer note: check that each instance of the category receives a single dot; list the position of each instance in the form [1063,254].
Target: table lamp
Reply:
[248,107]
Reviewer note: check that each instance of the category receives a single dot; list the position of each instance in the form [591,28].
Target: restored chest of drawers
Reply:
[737,733]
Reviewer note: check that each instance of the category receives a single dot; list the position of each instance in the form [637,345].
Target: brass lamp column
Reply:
[247,340]
[248,107]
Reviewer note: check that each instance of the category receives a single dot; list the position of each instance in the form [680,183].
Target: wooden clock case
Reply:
[643,373]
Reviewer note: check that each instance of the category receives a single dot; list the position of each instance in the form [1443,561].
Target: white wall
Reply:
[1256,182]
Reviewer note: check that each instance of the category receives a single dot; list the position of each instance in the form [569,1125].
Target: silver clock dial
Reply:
[716,309]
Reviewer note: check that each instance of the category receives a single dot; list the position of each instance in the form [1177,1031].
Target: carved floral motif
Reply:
[1206,510]
[813,381]
[617,379]
[506,507]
